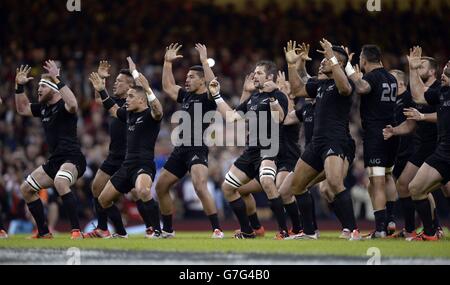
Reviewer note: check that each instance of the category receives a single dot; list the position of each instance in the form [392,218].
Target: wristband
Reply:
[20,89]
[218,98]
[60,85]
[349,70]
[151,97]
[104,94]
[135,74]
[108,103]
[274,102]
[334,61]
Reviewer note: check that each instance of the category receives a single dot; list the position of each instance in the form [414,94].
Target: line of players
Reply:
[420,167]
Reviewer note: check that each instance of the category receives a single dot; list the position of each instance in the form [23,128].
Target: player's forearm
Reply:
[245,95]
[157,110]
[69,98]
[417,86]
[168,81]
[108,103]
[276,111]
[431,117]
[405,128]
[361,86]
[341,81]
[209,74]
[291,119]
[304,76]
[297,85]
[22,103]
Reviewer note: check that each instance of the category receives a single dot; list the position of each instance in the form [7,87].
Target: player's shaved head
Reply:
[400,76]
[372,53]
[199,70]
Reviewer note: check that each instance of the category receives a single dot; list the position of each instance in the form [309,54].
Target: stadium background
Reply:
[237,34]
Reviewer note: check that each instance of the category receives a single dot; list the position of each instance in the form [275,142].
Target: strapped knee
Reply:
[33,183]
[376,171]
[267,172]
[232,180]
[64,174]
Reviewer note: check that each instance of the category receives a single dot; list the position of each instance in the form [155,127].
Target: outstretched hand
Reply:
[22,75]
[171,52]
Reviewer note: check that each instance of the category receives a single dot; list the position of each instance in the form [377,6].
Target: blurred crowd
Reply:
[35,30]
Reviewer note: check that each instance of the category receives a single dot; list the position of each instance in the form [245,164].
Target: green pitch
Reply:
[328,244]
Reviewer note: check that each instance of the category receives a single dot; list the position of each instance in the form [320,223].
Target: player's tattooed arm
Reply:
[203,53]
[304,57]
[339,75]
[248,88]
[403,129]
[293,58]
[168,81]
[417,86]
[361,86]
[22,102]
[415,115]
[99,85]
[223,108]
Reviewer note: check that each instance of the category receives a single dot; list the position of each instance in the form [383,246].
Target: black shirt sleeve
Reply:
[370,78]
[35,109]
[282,100]
[181,95]
[122,114]
[311,87]
[432,96]
[243,106]
[299,113]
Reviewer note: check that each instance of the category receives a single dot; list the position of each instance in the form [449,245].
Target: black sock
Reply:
[240,211]
[338,214]
[102,217]
[343,202]
[380,220]
[115,217]
[254,221]
[409,212]
[214,220]
[141,209]
[423,207]
[277,208]
[436,222]
[390,212]
[70,205]
[294,215]
[314,213]
[304,203]
[152,210]
[2,227]
[167,223]
[37,211]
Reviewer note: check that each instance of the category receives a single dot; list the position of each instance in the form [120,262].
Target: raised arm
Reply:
[417,86]
[291,118]
[99,85]
[304,57]
[22,102]
[168,81]
[67,95]
[103,71]
[224,109]
[342,84]
[293,60]
[203,53]
[153,102]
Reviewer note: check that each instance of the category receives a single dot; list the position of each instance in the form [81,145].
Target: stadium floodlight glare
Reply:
[211,62]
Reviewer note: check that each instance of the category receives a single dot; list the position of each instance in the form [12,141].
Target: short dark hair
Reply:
[126,72]
[342,53]
[270,68]
[432,61]
[372,53]
[139,89]
[199,69]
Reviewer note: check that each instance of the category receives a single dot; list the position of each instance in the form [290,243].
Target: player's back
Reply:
[378,106]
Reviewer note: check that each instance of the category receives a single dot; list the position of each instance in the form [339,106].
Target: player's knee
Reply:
[415,189]
[143,193]
[104,202]
[26,190]
[96,188]
[160,188]
[286,196]
[335,184]
[200,185]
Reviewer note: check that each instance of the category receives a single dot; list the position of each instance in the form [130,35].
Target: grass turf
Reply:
[328,244]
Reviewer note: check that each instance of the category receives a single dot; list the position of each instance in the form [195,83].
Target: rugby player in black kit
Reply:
[265,110]
[57,109]
[330,142]
[138,169]
[378,90]
[190,156]
[117,149]
[436,169]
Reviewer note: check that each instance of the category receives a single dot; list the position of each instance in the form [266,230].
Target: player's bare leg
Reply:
[163,185]
[199,174]
[36,181]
